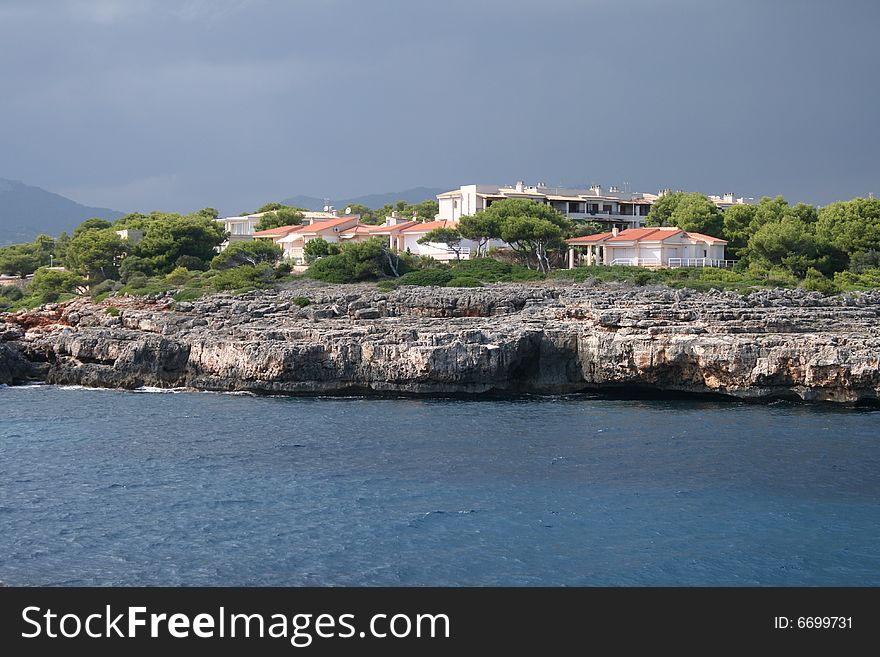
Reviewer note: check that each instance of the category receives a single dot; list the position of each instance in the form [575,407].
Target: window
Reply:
[607,209]
[454,203]
[574,206]
[644,210]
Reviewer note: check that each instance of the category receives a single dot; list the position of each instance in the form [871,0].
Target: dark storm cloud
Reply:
[177,105]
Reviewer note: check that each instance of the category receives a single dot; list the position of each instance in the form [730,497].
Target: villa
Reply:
[243,228]
[648,247]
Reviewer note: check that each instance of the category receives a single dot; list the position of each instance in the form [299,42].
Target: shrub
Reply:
[425,277]
[283,269]
[10,292]
[861,262]
[816,282]
[302,302]
[868,279]
[178,276]
[192,263]
[113,311]
[189,294]
[104,288]
[137,281]
[464,281]
[360,261]
[490,270]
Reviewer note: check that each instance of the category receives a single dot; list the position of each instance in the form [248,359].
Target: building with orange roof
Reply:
[244,227]
[655,247]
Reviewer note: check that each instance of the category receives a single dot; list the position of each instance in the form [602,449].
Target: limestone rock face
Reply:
[506,338]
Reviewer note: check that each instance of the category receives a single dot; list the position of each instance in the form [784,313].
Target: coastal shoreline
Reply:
[494,341]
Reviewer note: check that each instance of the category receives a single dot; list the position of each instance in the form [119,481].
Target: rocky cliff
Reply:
[506,338]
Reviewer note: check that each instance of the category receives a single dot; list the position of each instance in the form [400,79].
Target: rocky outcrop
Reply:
[504,339]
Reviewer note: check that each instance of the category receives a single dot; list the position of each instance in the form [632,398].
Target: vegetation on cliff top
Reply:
[835,248]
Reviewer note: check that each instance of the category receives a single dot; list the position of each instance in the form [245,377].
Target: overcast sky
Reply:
[177,105]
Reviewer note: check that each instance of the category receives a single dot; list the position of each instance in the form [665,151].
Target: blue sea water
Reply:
[118,488]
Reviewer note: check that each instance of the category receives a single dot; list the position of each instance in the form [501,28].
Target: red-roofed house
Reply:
[649,247]
[293,241]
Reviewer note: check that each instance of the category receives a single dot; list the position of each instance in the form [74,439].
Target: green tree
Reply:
[481,228]
[525,222]
[688,211]
[367,215]
[210,213]
[135,266]
[134,220]
[768,211]
[91,224]
[247,253]
[317,248]
[61,248]
[168,237]
[96,253]
[794,246]
[738,227]
[18,260]
[427,209]
[805,213]
[530,236]
[367,260]
[48,284]
[448,236]
[269,207]
[280,217]
[44,248]
[852,226]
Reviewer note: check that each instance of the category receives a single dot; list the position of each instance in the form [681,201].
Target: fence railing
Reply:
[674,262]
[701,262]
[637,262]
[439,251]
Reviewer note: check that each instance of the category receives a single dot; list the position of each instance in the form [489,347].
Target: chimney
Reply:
[520,185]
[615,231]
[728,197]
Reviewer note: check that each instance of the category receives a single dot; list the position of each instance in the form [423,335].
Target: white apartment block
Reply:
[613,206]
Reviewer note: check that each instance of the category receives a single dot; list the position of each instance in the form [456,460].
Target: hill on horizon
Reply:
[27,211]
[372,201]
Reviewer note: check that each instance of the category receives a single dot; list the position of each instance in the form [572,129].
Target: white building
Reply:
[131,235]
[612,206]
[648,247]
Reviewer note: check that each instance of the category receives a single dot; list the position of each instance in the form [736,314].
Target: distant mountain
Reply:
[27,211]
[414,195]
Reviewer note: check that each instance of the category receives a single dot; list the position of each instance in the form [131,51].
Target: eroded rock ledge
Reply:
[505,338]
